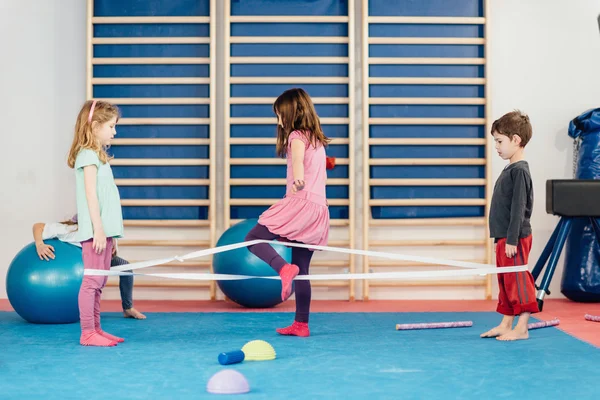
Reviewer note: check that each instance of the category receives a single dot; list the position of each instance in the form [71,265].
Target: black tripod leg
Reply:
[547,251]
[556,251]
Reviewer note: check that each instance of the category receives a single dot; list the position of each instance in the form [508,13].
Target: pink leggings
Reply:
[91,287]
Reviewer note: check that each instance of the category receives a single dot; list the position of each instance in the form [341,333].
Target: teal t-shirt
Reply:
[108,198]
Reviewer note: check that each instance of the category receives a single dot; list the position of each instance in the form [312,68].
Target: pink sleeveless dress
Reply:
[304,216]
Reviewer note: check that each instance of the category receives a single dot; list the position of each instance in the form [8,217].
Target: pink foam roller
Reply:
[594,318]
[543,324]
[434,325]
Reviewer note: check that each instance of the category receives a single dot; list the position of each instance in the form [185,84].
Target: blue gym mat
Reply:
[349,356]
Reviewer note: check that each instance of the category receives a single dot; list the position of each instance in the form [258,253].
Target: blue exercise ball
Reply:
[45,292]
[251,293]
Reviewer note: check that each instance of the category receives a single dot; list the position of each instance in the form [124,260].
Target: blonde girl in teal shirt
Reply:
[100,218]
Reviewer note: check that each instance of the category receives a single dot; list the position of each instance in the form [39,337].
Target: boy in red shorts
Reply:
[509,221]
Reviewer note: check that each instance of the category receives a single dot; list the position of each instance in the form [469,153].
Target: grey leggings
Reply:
[125,283]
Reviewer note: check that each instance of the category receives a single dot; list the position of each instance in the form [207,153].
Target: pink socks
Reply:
[109,336]
[288,273]
[93,338]
[296,329]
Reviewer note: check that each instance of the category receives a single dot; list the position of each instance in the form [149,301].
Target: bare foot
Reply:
[497,331]
[515,334]
[133,313]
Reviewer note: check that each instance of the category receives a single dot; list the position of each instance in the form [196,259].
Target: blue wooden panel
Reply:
[165,111]
[160,172]
[426,212]
[427,151]
[289,70]
[426,91]
[151,71]
[425,30]
[433,8]
[289,7]
[426,8]
[137,8]
[427,192]
[109,91]
[425,50]
[426,131]
[278,171]
[426,71]
[266,110]
[277,192]
[289,50]
[159,151]
[151,50]
[427,171]
[289,29]
[152,30]
[163,192]
[109,8]
[165,212]
[245,212]
[268,151]
[426,111]
[163,131]
[274,90]
[331,131]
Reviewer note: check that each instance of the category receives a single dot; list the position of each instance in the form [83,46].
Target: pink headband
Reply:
[92,111]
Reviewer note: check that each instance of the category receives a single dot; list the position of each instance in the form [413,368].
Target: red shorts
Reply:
[517,289]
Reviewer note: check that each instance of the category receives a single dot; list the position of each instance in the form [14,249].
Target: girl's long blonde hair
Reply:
[297,114]
[84,137]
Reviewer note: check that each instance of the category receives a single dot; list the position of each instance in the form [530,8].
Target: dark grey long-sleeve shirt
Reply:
[512,204]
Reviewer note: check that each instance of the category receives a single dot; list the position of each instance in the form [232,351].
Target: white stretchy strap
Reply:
[469,268]
[321,277]
[390,256]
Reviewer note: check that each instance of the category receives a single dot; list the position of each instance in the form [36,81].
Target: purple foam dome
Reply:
[228,381]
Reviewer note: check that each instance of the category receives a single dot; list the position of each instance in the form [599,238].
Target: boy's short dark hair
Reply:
[514,123]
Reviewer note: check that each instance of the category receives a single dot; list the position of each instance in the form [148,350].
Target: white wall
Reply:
[545,58]
[42,79]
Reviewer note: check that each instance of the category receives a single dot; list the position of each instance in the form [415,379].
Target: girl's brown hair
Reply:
[84,137]
[73,221]
[297,114]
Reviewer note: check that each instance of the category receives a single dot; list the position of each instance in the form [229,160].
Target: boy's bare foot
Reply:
[515,334]
[497,331]
[133,313]
[504,327]
[520,332]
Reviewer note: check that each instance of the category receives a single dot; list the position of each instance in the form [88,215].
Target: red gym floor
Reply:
[570,314]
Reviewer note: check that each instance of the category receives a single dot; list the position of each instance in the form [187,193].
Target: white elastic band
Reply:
[470,268]
[320,277]
[189,256]
[390,256]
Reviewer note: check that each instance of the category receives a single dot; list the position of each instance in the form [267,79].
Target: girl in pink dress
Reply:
[302,216]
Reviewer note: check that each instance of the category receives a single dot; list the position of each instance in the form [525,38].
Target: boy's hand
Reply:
[511,250]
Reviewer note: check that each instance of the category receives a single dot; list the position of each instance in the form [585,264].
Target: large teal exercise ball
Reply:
[251,293]
[45,292]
